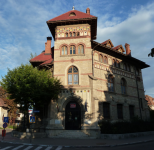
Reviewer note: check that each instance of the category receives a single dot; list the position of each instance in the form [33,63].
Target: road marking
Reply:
[48,148]
[6,148]
[38,148]
[28,147]
[18,147]
[59,148]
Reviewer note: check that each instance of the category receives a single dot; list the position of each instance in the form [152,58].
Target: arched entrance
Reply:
[73,116]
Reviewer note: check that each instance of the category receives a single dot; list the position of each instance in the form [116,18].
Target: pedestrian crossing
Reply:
[30,147]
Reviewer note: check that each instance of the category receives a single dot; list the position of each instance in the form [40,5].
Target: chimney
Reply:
[48,46]
[128,51]
[88,11]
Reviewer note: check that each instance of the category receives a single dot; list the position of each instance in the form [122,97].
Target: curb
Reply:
[84,146]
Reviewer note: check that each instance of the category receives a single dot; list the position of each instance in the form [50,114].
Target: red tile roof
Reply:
[47,62]
[41,58]
[2,104]
[78,15]
[105,42]
[116,47]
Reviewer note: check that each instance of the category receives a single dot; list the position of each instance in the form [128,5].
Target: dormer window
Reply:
[72,14]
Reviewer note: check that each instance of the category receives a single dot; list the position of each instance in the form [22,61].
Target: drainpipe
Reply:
[138,94]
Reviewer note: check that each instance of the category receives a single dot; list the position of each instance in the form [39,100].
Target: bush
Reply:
[120,127]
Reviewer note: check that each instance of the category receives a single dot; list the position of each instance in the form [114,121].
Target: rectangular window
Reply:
[120,111]
[69,79]
[131,111]
[106,110]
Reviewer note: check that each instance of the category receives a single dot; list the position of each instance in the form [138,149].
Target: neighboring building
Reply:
[99,80]
[150,101]
[3,111]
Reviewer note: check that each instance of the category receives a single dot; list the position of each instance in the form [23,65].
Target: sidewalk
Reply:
[76,142]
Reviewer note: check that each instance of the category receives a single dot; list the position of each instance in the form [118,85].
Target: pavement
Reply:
[76,142]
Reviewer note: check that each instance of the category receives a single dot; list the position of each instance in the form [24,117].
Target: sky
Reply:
[23,28]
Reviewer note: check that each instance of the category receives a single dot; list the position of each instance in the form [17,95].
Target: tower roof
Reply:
[73,17]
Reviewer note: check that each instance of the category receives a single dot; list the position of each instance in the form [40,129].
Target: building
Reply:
[150,101]
[3,111]
[99,80]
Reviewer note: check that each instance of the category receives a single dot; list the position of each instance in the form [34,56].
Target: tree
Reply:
[28,85]
[10,102]
[152,53]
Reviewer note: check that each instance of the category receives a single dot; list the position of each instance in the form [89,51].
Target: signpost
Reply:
[4,131]
[32,119]
[6,119]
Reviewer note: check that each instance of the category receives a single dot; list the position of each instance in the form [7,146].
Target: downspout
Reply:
[138,94]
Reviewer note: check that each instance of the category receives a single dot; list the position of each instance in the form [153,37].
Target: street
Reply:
[11,146]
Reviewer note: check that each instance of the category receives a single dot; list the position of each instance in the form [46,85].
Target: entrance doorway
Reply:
[73,116]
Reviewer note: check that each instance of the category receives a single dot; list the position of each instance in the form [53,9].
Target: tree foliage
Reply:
[10,102]
[26,85]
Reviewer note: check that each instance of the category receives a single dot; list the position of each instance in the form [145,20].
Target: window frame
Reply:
[101,58]
[105,60]
[106,110]
[71,48]
[123,86]
[111,83]
[72,75]
[81,46]
[64,46]
[120,111]
[131,111]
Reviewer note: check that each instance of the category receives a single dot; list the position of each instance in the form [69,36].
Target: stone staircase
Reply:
[74,134]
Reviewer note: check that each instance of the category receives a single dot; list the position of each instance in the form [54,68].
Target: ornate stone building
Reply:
[100,81]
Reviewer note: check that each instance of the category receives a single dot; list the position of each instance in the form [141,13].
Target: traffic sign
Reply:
[5,125]
[36,111]
[32,119]
[6,119]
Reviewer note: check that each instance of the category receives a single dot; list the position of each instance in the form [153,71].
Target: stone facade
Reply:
[97,97]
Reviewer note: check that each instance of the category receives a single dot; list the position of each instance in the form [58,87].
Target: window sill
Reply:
[72,55]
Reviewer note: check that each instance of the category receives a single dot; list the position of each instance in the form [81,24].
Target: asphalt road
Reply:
[11,146]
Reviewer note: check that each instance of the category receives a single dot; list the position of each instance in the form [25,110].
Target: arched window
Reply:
[72,50]
[64,50]
[73,33]
[73,75]
[105,60]
[123,86]
[125,67]
[80,49]
[100,58]
[66,34]
[118,64]
[110,83]
[114,63]
[70,34]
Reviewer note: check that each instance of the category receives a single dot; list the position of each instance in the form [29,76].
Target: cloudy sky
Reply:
[23,28]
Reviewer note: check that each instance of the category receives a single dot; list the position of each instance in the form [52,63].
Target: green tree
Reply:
[28,85]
